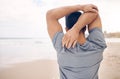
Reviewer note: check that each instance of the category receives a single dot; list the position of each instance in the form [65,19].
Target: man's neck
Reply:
[81,38]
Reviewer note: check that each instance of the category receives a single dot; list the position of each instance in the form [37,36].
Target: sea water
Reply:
[23,50]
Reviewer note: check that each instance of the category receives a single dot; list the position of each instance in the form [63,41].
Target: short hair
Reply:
[71,19]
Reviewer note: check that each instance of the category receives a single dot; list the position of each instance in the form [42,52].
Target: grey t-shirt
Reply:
[82,61]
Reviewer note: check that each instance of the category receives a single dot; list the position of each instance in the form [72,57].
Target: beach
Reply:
[47,68]
[110,66]
[41,69]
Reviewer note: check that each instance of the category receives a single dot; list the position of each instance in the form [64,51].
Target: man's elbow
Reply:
[50,14]
[94,14]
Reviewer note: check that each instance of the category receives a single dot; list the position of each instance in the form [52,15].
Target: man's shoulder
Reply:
[95,29]
[57,37]
[96,37]
[57,40]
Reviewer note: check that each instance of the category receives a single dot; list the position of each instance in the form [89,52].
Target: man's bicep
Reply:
[53,27]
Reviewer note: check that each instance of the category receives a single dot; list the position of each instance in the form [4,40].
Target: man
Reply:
[78,57]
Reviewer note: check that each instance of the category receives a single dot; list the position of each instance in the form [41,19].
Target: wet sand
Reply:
[48,69]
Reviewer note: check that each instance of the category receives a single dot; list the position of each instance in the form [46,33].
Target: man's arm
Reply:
[54,15]
[71,36]
[95,24]
[95,33]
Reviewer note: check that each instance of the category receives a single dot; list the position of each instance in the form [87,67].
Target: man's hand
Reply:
[70,38]
[90,8]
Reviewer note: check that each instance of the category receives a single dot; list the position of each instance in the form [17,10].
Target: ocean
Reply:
[23,50]
[15,50]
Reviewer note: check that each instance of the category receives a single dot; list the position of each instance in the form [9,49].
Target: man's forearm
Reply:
[58,13]
[85,19]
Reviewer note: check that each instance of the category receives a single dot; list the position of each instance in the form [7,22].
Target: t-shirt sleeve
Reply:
[57,41]
[96,36]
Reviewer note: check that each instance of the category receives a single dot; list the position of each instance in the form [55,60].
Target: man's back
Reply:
[82,61]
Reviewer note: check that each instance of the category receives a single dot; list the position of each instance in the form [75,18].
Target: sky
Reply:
[26,18]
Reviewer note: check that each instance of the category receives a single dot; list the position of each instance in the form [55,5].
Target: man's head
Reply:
[71,19]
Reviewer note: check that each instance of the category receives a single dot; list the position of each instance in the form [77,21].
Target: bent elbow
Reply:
[95,15]
[50,14]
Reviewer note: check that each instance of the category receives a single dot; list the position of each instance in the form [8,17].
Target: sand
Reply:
[110,66]
[42,69]
[48,69]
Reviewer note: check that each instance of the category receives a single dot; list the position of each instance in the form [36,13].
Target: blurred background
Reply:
[26,52]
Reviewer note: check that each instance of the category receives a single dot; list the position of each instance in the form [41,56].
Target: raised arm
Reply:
[85,19]
[54,15]
[69,39]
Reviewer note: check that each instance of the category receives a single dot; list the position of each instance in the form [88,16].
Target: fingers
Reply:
[95,7]
[91,8]
[69,38]
[64,40]
[94,10]
[67,43]
[70,43]
[74,43]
